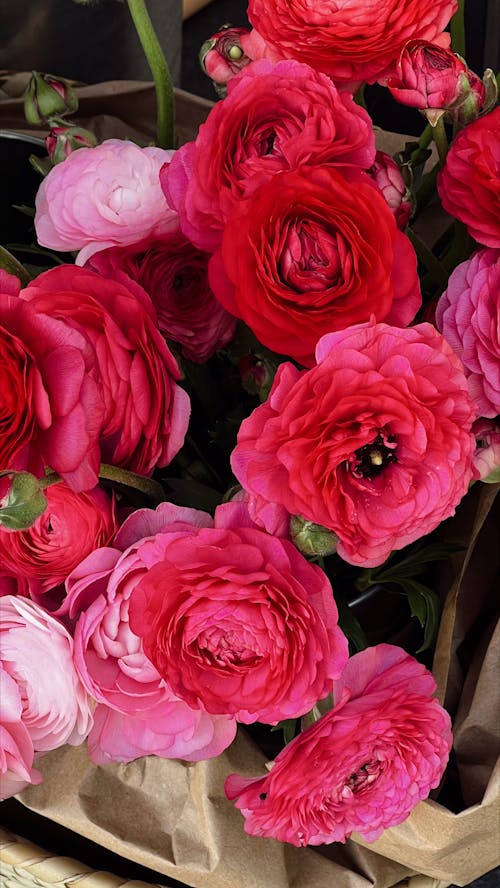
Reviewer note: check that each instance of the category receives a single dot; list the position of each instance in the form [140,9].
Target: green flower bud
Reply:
[24,503]
[47,98]
[311,538]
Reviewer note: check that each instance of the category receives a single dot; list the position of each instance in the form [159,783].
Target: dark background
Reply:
[41,35]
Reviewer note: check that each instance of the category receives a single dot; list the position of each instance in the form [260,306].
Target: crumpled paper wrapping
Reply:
[172,816]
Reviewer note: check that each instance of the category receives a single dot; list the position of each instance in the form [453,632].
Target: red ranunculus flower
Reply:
[373,443]
[352,42]
[73,525]
[175,274]
[48,395]
[239,623]
[275,117]
[310,252]
[145,412]
[469,183]
[363,766]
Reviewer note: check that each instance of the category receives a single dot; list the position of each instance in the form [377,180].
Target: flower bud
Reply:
[388,178]
[257,375]
[48,97]
[436,80]
[23,503]
[63,140]
[486,458]
[311,538]
[222,56]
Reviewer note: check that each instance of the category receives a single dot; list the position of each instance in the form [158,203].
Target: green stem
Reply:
[428,259]
[457,27]
[159,69]
[461,247]
[130,479]
[441,141]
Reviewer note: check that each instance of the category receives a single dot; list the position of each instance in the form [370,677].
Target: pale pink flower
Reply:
[101,197]
[468,315]
[16,746]
[36,651]
[363,766]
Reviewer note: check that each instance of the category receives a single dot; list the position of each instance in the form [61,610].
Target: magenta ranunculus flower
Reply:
[387,176]
[175,274]
[49,394]
[72,526]
[275,117]
[103,196]
[469,183]
[36,652]
[363,766]
[146,413]
[137,712]
[239,622]
[16,746]
[468,315]
[374,442]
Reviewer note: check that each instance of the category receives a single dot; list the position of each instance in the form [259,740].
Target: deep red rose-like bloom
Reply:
[73,525]
[373,443]
[239,623]
[355,41]
[363,766]
[48,396]
[175,274]
[311,252]
[145,412]
[275,117]
[427,75]
[469,183]
[468,315]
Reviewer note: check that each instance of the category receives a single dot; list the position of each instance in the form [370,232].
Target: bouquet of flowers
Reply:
[238,404]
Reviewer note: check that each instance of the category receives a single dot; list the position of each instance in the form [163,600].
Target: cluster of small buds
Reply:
[48,101]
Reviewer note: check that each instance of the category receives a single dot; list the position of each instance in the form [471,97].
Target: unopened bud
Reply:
[48,97]
[311,538]
[389,179]
[23,503]
[223,56]
[257,375]
[63,140]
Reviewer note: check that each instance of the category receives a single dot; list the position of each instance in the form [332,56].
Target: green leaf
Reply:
[24,503]
[426,607]
[288,726]
[10,264]
[350,625]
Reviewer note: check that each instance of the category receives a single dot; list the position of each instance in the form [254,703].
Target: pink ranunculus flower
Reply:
[137,712]
[363,766]
[469,183]
[387,176]
[374,442]
[73,525]
[351,42]
[175,274]
[16,746]
[468,315]
[146,413]
[239,622]
[275,117]
[428,76]
[49,395]
[36,651]
[101,197]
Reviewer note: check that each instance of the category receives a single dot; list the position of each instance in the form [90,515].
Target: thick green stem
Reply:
[440,140]
[130,479]
[457,27]
[159,70]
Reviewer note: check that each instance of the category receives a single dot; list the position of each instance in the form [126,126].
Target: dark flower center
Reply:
[370,460]
[362,778]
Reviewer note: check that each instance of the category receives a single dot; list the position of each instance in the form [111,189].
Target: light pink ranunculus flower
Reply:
[16,746]
[137,712]
[101,197]
[468,315]
[363,766]
[36,651]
